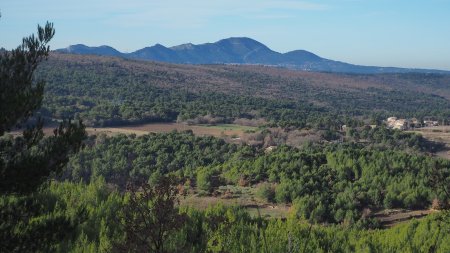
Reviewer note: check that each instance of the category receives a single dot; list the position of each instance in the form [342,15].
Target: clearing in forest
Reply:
[220,130]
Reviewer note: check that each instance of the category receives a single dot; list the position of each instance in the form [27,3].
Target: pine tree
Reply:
[29,160]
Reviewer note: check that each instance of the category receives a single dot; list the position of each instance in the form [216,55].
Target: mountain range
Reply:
[241,50]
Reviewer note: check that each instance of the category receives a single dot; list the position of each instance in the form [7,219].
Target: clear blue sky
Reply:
[402,33]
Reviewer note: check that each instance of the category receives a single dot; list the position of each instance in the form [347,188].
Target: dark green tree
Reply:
[29,160]
[20,94]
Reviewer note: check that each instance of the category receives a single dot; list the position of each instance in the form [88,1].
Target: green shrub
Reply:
[283,193]
[204,179]
[267,192]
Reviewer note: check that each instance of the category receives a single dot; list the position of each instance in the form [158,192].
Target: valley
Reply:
[227,146]
[248,145]
[286,109]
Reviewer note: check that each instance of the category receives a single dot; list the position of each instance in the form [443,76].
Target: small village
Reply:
[406,124]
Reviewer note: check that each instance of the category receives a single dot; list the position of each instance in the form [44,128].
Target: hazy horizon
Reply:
[408,34]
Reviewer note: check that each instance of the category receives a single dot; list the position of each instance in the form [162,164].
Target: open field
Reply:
[437,134]
[221,130]
[237,196]
[265,210]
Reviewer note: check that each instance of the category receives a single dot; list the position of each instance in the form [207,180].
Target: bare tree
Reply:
[150,216]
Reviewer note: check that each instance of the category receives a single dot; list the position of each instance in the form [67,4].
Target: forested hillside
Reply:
[325,183]
[108,91]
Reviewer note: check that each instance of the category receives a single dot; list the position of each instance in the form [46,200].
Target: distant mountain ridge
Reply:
[240,50]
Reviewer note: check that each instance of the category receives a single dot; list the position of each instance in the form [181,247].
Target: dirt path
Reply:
[392,217]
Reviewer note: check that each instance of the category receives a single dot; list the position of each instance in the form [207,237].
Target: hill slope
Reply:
[109,89]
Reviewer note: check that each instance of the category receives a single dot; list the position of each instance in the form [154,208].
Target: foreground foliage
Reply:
[221,229]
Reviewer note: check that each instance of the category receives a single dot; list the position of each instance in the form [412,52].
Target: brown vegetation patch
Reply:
[230,133]
[392,217]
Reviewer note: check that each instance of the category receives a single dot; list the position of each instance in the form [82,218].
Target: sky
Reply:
[400,33]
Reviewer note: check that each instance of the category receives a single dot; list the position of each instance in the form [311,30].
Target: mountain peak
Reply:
[75,47]
[302,54]
[83,49]
[187,46]
[157,45]
[242,41]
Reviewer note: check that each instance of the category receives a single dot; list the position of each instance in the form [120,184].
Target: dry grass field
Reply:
[223,130]
[437,134]
[231,131]
[237,196]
